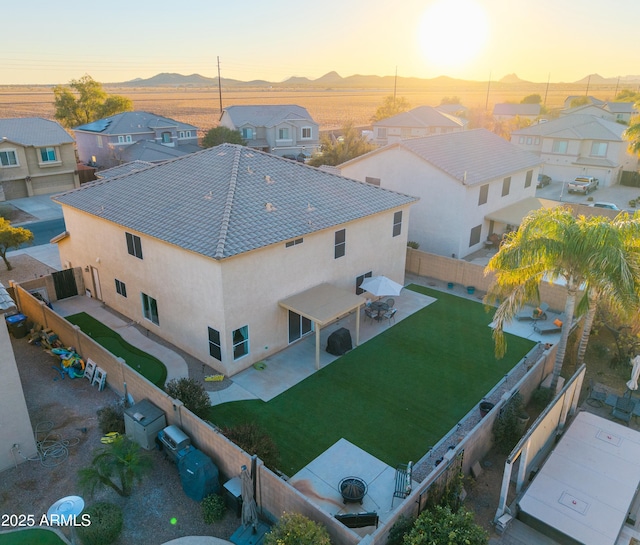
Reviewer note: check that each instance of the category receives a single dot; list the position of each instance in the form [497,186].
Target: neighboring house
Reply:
[590,109]
[124,168]
[457,110]
[591,100]
[37,157]
[285,130]
[207,250]
[623,112]
[131,136]
[461,178]
[421,121]
[579,145]
[16,426]
[506,111]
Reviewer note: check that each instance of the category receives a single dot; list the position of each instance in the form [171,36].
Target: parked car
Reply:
[583,184]
[608,205]
[543,180]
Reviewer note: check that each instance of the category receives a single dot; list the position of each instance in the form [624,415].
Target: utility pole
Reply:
[486,104]
[219,85]
[544,103]
[616,93]
[588,82]
[395,86]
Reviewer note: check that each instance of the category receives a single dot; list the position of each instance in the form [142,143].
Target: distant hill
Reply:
[335,80]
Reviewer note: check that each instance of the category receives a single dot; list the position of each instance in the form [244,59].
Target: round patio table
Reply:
[380,307]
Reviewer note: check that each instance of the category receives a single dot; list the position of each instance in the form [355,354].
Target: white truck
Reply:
[583,184]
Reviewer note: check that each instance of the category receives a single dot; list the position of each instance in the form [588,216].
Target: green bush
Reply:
[111,418]
[191,393]
[540,398]
[508,427]
[106,524]
[442,525]
[296,529]
[400,528]
[251,438]
[413,244]
[213,508]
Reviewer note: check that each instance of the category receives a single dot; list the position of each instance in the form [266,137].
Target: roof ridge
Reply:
[226,215]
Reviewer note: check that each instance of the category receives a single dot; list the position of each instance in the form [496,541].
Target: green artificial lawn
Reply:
[149,367]
[395,395]
[31,536]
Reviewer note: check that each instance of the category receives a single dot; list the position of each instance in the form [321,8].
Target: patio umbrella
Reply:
[249,507]
[635,374]
[381,285]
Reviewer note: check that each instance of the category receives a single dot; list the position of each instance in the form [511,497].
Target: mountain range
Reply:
[335,80]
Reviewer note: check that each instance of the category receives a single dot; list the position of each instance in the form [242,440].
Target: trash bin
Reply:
[17,324]
[233,488]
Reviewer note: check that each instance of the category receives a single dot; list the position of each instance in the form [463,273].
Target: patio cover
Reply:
[587,485]
[323,304]
[514,213]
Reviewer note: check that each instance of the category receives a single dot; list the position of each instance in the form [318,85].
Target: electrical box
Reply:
[142,422]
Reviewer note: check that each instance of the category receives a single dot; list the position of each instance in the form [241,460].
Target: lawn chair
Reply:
[390,315]
[371,313]
[402,486]
[89,370]
[554,326]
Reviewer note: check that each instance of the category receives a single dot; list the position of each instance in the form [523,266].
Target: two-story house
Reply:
[579,145]
[461,178]
[420,121]
[285,130]
[37,157]
[506,111]
[208,250]
[134,136]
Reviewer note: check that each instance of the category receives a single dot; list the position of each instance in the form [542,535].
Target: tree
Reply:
[531,99]
[579,101]
[627,95]
[335,151]
[118,466]
[442,525]
[296,529]
[221,135]
[85,101]
[191,393]
[551,244]
[12,237]
[632,135]
[391,105]
[450,100]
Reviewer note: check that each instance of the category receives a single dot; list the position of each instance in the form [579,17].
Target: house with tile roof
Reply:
[506,111]
[623,112]
[420,121]
[37,157]
[286,130]
[230,253]
[134,136]
[579,145]
[461,178]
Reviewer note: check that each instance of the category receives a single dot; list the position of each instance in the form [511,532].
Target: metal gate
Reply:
[65,284]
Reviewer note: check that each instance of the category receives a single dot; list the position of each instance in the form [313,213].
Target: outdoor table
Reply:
[380,307]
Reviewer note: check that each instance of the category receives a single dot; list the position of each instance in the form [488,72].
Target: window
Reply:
[360,280]
[475,235]
[340,243]
[121,288]
[599,149]
[397,223]
[184,134]
[529,140]
[484,194]
[48,155]
[241,342]
[214,344]
[306,133]
[521,140]
[382,132]
[290,243]
[536,141]
[8,158]
[283,134]
[247,133]
[134,245]
[123,139]
[298,326]
[372,181]
[166,138]
[527,180]
[150,308]
[560,146]
[99,141]
[405,132]
[506,186]
[120,139]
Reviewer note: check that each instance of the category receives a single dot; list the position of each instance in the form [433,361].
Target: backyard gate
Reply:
[65,283]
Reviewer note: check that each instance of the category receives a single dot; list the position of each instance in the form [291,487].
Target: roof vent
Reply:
[268,179]
[310,208]
[269,207]
[249,170]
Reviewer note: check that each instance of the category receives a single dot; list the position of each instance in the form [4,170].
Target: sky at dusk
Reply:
[118,40]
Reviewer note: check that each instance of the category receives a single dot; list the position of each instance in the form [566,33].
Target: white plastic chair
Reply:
[89,370]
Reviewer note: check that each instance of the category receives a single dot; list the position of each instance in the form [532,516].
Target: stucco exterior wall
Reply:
[194,293]
[442,220]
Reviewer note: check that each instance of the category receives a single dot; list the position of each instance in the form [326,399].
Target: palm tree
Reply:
[594,255]
[118,465]
[632,134]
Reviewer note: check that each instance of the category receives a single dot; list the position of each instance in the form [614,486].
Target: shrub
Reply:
[106,524]
[401,527]
[213,508]
[413,244]
[508,427]
[254,440]
[111,418]
[442,525]
[296,529]
[540,398]
[191,393]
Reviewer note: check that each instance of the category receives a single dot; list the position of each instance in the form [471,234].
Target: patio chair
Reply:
[597,395]
[551,326]
[89,370]
[371,313]
[390,302]
[390,315]
[525,314]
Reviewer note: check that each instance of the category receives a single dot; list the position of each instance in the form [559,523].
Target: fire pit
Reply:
[353,489]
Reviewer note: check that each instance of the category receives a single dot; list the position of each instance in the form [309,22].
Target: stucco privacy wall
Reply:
[464,273]
[274,494]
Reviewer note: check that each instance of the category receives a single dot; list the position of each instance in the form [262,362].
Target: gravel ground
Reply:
[69,406]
